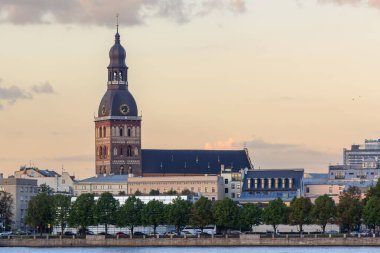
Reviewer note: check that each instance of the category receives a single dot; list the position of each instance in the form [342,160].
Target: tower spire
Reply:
[117,22]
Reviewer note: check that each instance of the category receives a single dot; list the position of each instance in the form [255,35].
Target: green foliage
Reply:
[250,216]
[82,211]
[275,213]
[187,192]
[154,192]
[323,211]
[122,193]
[44,188]
[6,214]
[153,214]
[300,212]
[40,211]
[130,213]
[62,205]
[137,193]
[201,213]
[349,209]
[226,214]
[171,192]
[178,213]
[371,212]
[106,210]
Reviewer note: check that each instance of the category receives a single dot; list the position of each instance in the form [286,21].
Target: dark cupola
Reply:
[117,69]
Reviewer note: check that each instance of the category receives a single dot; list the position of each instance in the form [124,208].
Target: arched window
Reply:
[100,132]
[133,131]
[130,170]
[136,151]
[121,131]
[121,170]
[100,152]
[120,76]
[121,151]
[114,76]
[104,132]
[129,151]
[105,152]
[115,151]
[129,132]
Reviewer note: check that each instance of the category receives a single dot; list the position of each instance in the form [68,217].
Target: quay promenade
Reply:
[242,240]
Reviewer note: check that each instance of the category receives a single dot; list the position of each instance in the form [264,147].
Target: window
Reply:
[238,186]
[205,189]
[121,131]
[233,186]
[63,181]
[115,151]
[213,189]
[226,181]
[330,190]
[307,190]
[129,132]
[225,190]
[233,195]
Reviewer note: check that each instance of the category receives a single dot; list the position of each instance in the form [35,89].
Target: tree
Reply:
[40,211]
[226,214]
[201,213]
[154,192]
[106,209]
[44,188]
[6,214]
[122,193]
[373,192]
[275,213]
[349,209]
[82,212]
[300,212]
[371,212]
[171,192]
[324,211]
[153,214]
[62,205]
[187,192]
[178,213]
[130,213]
[250,215]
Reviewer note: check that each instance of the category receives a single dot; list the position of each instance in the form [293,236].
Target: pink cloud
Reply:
[227,144]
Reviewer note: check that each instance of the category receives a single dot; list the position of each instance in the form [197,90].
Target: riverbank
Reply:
[242,241]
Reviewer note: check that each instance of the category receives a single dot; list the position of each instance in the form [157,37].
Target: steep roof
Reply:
[159,161]
[106,179]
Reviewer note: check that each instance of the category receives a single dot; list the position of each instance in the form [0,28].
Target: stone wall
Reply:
[186,242]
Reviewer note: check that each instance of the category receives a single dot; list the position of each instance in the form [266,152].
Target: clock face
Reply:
[103,109]
[124,109]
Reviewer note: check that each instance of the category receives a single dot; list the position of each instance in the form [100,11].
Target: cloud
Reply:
[228,144]
[267,155]
[101,13]
[43,88]
[368,3]
[13,93]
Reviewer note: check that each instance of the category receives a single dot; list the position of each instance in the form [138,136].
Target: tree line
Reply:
[45,211]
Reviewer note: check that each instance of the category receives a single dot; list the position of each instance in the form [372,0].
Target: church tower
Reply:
[118,125]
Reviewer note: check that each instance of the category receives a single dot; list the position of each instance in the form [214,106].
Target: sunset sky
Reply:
[295,81]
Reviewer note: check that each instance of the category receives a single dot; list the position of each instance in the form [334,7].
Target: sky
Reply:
[293,81]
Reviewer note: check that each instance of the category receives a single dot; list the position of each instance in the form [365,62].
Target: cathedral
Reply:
[118,136]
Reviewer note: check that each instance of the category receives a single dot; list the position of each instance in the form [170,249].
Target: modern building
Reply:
[22,191]
[115,184]
[366,155]
[233,182]
[318,184]
[60,183]
[353,172]
[211,187]
[262,186]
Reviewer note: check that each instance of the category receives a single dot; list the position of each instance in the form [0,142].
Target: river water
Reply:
[197,250]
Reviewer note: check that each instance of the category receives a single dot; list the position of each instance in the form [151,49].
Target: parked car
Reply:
[365,232]
[121,234]
[138,233]
[235,232]
[354,233]
[187,233]
[69,233]
[6,233]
